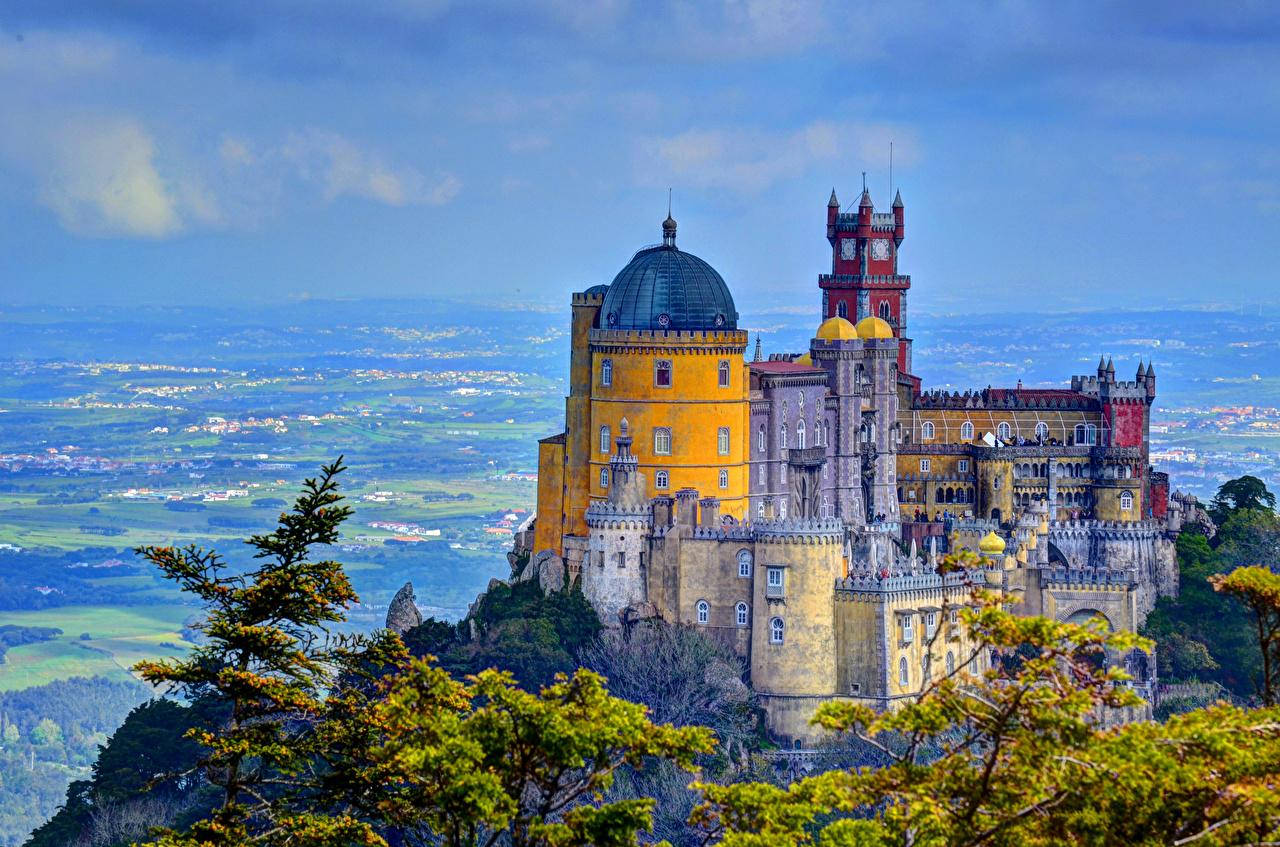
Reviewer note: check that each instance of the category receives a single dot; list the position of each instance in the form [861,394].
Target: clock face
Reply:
[880,248]
[848,248]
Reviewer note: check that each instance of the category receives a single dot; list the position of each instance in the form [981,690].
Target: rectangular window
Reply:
[662,373]
[930,624]
[963,466]
[924,466]
[724,374]
[773,582]
[604,440]
[722,441]
[606,372]
[907,633]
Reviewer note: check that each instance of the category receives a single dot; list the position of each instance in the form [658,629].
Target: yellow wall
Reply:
[694,407]
[1022,422]
[550,523]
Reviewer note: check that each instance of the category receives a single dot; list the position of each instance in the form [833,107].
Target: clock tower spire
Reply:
[864,279]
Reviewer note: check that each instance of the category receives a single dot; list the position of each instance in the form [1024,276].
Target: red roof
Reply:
[1032,393]
[780,367]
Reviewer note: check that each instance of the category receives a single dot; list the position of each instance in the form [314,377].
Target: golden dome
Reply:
[873,327]
[837,329]
[991,544]
[804,359]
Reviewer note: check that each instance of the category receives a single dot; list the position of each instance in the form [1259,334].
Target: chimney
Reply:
[709,513]
[687,507]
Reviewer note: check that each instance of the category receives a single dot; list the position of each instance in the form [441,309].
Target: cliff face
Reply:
[403,614]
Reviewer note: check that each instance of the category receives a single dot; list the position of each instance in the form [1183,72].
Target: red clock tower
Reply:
[864,279]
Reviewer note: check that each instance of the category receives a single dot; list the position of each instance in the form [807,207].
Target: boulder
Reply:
[403,614]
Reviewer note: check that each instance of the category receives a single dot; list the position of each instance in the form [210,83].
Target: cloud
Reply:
[340,168]
[751,160]
[101,177]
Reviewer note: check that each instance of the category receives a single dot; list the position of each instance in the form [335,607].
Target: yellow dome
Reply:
[873,327]
[837,329]
[804,359]
[991,544]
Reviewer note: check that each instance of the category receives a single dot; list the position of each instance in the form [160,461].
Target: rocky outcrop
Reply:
[403,614]
[547,569]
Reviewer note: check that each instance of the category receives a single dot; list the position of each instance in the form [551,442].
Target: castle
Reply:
[795,506]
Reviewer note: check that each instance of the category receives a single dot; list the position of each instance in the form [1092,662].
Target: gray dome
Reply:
[665,288]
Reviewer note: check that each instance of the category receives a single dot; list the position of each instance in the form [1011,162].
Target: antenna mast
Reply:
[890,171]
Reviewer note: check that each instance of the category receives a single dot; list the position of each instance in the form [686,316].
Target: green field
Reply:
[119,637]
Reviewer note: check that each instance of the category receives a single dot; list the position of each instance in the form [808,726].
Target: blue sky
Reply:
[1050,155]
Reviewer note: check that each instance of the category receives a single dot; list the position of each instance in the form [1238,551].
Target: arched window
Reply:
[662,441]
[604,477]
[904,672]
[760,510]
[704,611]
[800,433]
[761,439]
[885,310]
[782,437]
[661,479]
[740,612]
[760,476]
[606,372]
[926,430]
[966,430]
[724,373]
[605,440]
[1126,501]
[1042,431]
[826,507]
[782,508]
[744,557]
[842,309]
[826,433]
[1004,432]
[724,477]
[951,663]
[662,373]
[775,631]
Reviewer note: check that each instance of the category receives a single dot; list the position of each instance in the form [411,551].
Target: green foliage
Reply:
[1203,635]
[517,629]
[46,732]
[1259,590]
[1246,492]
[1249,537]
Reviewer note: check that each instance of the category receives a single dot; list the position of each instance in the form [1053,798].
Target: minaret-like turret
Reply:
[669,231]
[1111,371]
[899,222]
[833,209]
[1102,368]
[1141,378]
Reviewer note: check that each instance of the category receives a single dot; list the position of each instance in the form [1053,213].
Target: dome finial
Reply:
[669,225]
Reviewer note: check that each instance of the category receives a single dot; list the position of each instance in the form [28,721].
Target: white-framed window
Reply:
[782,437]
[962,466]
[782,508]
[800,433]
[723,371]
[826,433]
[924,466]
[1042,431]
[926,431]
[604,477]
[951,663]
[704,611]
[621,558]
[1126,501]
[744,557]
[774,578]
[776,625]
[740,614]
[966,430]
[953,617]
[662,373]
[606,371]
[1004,432]
[760,510]
[724,477]
[761,475]
[930,624]
[662,441]
[1086,434]
[605,439]
[908,632]
[904,672]
[826,507]
[761,444]
[722,441]
[661,479]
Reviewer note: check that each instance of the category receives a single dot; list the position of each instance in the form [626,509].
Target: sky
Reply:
[1052,156]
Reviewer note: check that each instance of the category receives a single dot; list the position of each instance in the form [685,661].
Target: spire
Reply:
[1102,366]
[758,356]
[669,231]
[833,202]
[1111,368]
[1142,372]
[1151,371]
[897,200]
[866,197]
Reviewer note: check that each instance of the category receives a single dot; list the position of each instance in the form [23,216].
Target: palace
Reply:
[795,506]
